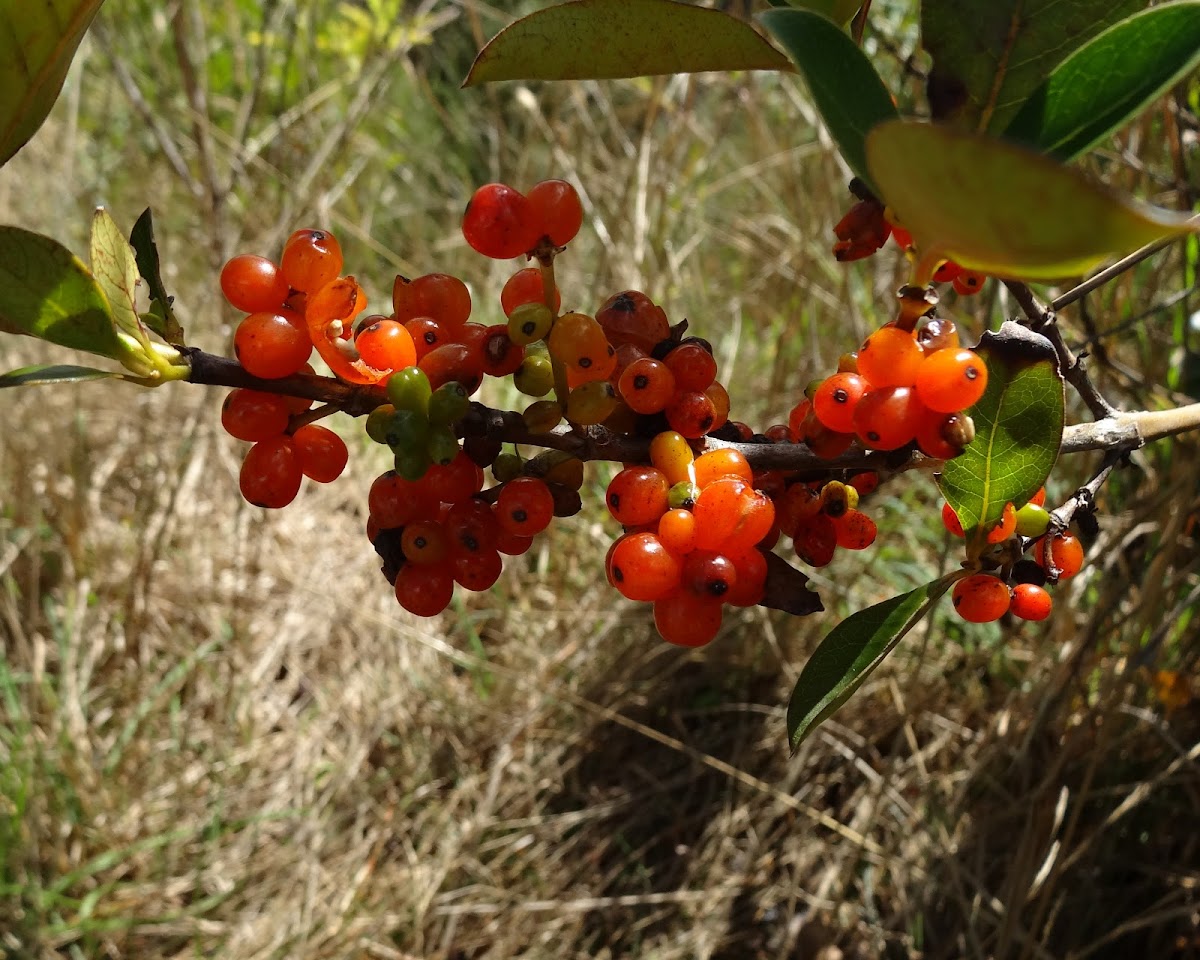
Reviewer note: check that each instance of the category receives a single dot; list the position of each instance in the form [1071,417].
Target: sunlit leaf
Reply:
[55,373]
[115,268]
[46,292]
[604,39]
[161,319]
[989,55]
[1107,82]
[1018,428]
[845,87]
[38,39]
[1002,209]
[848,655]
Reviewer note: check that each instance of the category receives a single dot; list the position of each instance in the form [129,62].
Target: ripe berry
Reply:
[499,222]
[855,530]
[253,284]
[251,415]
[321,452]
[981,598]
[691,414]
[438,296]
[386,345]
[525,506]
[425,590]
[271,475]
[951,380]
[709,574]
[425,543]
[311,259]
[751,567]
[834,401]
[632,317]
[950,521]
[719,510]
[647,385]
[687,620]
[637,495]
[525,286]
[937,334]
[1063,552]
[722,462]
[478,571]
[641,568]
[1030,602]
[577,340]
[1005,527]
[815,540]
[890,357]
[427,335]
[693,366]
[557,210]
[677,531]
[967,283]
[272,344]
[887,418]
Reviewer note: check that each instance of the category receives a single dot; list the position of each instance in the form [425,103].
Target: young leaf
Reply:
[115,269]
[1001,209]
[37,44]
[55,373]
[855,647]
[845,87]
[46,292]
[161,318]
[1018,428]
[605,39]
[1109,80]
[988,55]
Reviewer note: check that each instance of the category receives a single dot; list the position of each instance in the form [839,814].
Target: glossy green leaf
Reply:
[46,292]
[989,55]
[55,373]
[1107,82]
[38,39]
[161,318]
[840,12]
[844,85]
[855,647]
[1002,209]
[1018,428]
[605,39]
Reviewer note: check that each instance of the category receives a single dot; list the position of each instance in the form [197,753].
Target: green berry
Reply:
[591,402]
[442,446]
[407,431]
[408,389]
[535,376]
[449,404]
[378,422]
[529,323]
[507,467]
[412,464]
[1032,520]
[683,495]
[542,416]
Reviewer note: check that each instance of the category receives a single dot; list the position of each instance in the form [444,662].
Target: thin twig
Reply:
[1044,320]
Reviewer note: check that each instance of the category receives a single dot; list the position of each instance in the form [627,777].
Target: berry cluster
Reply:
[699,524]
[1019,586]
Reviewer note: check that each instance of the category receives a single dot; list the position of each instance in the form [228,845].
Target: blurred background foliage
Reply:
[219,735]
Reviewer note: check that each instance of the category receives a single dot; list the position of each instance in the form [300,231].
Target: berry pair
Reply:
[503,223]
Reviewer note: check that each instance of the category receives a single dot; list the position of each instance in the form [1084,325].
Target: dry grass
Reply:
[219,736]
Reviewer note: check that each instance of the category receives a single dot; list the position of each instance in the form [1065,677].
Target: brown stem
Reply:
[1043,320]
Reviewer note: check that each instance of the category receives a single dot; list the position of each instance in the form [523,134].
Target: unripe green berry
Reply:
[412,464]
[591,402]
[379,421]
[1032,520]
[529,323]
[408,389]
[407,431]
[507,467]
[683,495]
[449,404]
[542,416]
[442,445]
[535,376]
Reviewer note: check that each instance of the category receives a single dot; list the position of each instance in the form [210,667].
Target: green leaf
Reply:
[1018,428]
[1002,209]
[115,269]
[55,373]
[989,55]
[840,12]
[46,292]
[1108,81]
[845,87]
[38,39]
[854,648]
[605,39]
[161,319]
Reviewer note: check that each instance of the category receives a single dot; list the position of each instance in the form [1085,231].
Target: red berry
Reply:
[253,284]
[270,475]
[525,506]
[253,416]
[1062,551]
[525,286]
[557,211]
[425,590]
[686,619]
[647,385]
[311,259]
[1030,602]
[272,345]
[981,598]
[693,366]
[950,521]
[438,296]
[637,495]
[641,568]
[887,418]
[499,222]
[386,345]
[890,357]
[834,402]
[632,317]
[951,380]
[322,452]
